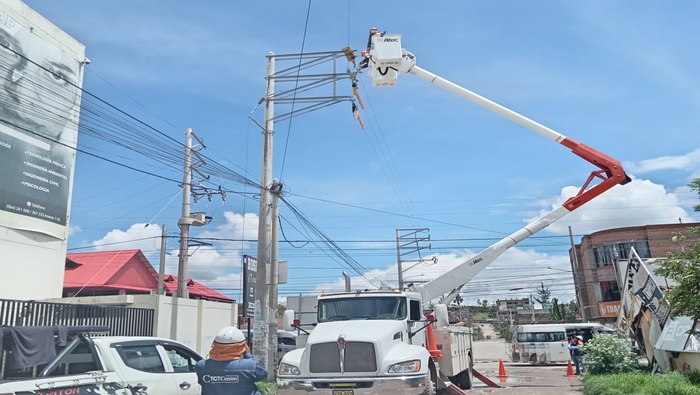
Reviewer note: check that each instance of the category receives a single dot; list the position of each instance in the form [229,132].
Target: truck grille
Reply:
[359,357]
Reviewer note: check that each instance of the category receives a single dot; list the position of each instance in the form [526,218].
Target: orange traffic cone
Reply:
[431,344]
[570,370]
[501,370]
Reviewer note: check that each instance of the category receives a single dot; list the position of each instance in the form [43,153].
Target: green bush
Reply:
[609,354]
[267,387]
[673,383]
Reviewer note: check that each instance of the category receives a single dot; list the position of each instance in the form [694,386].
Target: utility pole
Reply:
[185,221]
[318,89]
[161,266]
[262,314]
[275,190]
[408,238]
[574,271]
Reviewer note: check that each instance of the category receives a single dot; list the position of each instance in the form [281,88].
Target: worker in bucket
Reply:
[575,350]
[230,368]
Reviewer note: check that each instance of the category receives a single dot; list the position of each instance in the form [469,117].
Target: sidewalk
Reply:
[526,379]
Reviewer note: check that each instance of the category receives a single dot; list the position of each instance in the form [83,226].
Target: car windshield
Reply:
[362,308]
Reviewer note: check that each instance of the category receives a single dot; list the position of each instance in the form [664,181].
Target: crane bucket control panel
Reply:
[385,59]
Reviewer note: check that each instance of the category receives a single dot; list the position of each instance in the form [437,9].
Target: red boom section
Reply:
[611,172]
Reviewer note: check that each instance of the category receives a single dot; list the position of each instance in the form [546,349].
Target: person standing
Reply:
[575,350]
[230,368]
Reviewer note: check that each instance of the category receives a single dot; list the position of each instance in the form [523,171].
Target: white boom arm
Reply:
[386,59]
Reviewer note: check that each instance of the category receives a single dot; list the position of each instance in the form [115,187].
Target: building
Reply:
[123,272]
[522,311]
[593,263]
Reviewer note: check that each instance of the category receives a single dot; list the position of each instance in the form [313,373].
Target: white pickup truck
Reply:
[86,364]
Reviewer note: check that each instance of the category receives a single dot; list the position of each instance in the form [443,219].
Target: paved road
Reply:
[522,378]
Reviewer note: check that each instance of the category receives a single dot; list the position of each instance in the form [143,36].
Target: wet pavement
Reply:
[526,379]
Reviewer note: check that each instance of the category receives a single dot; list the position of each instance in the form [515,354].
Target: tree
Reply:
[543,294]
[683,266]
[562,312]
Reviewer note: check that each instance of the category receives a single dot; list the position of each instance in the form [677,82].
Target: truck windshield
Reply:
[364,308]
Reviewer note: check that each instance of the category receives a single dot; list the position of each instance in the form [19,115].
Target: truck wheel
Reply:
[464,380]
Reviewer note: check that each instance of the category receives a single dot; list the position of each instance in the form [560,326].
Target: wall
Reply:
[192,322]
[36,149]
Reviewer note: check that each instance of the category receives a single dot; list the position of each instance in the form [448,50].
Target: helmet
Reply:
[579,337]
[230,334]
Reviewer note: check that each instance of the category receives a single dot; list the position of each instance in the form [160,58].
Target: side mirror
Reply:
[288,320]
[441,315]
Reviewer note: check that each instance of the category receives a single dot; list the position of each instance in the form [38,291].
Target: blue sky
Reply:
[622,77]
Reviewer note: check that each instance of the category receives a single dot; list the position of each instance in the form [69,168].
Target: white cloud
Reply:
[139,236]
[639,203]
[689,161]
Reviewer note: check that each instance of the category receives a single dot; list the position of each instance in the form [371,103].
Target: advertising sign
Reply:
[609,309]
[250,270]
[39,109]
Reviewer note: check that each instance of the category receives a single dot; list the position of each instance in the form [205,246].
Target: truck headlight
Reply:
[286,369]
[405,367]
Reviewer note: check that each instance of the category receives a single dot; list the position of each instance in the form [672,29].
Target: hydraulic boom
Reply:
[386,59]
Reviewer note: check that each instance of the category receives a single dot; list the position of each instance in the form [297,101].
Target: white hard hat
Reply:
[579,337]
[229,334]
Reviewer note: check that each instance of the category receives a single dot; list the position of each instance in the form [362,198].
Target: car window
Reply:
[143,358]
[183,360]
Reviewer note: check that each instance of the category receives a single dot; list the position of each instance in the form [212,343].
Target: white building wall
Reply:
[37,163]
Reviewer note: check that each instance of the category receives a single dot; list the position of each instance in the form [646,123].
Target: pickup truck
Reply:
[86,363]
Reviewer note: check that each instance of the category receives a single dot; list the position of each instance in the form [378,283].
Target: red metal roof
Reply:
[129,270]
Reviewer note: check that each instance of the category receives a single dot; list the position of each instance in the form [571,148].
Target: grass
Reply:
[267,387]
[673,383]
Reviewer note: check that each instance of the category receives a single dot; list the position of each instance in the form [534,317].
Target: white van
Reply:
[286,341]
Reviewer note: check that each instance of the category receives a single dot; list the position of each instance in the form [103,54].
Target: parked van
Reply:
[286,341]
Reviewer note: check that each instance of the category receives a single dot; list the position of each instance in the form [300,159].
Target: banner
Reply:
[39,109]
[250,270]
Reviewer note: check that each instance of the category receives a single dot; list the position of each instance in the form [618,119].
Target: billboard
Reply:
[250,271]
[41,78]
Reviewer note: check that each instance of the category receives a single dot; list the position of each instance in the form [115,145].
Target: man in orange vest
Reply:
[575,350]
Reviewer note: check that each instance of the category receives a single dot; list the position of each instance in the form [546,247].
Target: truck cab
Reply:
[364,342]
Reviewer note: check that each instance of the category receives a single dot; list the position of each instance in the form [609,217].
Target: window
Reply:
[362,308]
[609,291]
[605,255]
[143,358]
[183,360]
[532,337]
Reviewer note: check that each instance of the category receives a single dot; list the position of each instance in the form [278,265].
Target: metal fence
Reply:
[122,321]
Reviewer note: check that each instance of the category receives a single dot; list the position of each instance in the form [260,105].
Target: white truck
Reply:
[376,342]
[86,364]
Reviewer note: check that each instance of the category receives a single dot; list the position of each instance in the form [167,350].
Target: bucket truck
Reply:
[375,342]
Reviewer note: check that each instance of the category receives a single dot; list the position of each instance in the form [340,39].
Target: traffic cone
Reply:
[501,370]
[570,370]
[431,344]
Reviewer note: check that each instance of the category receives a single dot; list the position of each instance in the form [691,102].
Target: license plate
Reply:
[343,392]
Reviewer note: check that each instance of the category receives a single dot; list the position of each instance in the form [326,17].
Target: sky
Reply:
[622,77]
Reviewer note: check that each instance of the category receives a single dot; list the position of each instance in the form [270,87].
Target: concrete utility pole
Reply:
[161,266]
[575,272]
[276,189]
[318,89]
[262,314]
[185,221]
